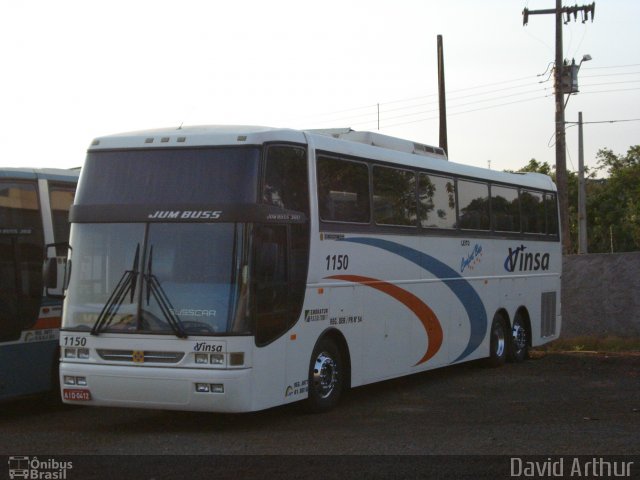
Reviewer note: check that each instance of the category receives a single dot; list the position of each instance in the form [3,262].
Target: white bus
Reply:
[233,269]
[34,211]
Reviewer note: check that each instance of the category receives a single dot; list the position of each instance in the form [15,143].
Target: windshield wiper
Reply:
[154,288]
[126,284]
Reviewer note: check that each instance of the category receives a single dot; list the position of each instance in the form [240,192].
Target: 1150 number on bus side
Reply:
[337,262]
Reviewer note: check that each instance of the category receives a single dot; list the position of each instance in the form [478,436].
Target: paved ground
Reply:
[556,404]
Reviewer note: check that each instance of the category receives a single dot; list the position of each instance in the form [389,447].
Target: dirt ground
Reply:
[553,404]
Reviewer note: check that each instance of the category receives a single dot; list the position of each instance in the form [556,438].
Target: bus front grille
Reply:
[140,356]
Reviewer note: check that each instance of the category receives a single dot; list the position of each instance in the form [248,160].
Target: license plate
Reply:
[76,395]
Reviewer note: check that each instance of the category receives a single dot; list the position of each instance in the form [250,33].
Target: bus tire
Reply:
[53,395]
[326,377]
[519,347]
[498,343]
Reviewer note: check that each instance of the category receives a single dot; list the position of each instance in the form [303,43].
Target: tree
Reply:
[614,207]
[613,202]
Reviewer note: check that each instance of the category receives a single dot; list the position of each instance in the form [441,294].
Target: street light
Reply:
[585,58]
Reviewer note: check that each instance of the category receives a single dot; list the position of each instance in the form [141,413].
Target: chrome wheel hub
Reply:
[499,340]
[519,336]
[325,375]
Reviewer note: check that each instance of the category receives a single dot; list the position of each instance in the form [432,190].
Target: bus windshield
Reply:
[183,279]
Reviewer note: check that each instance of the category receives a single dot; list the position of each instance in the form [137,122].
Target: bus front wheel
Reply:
[326,377]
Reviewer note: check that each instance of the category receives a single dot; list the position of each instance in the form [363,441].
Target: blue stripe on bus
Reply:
[457,284]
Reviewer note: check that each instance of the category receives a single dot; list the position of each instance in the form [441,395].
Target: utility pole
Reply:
[442,99]
[582,193]
[561,158]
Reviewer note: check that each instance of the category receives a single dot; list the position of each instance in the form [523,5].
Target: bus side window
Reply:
[285,179]
[505,209]
[343,190]
[533,216]
[473,205]
[437,201]
[551,209]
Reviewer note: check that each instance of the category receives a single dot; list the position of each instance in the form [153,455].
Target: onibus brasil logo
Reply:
[38,469]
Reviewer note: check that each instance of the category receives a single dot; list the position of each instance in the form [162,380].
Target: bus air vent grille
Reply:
[548,324]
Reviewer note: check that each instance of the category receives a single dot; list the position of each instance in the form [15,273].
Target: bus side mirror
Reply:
[55,271]
[50,273]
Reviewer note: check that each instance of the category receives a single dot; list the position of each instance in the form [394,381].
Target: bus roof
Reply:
[45,173]
[343,141]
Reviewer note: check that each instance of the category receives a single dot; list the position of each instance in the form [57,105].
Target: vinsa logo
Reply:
[517,260]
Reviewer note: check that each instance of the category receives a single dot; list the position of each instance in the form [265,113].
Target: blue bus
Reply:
[34,211]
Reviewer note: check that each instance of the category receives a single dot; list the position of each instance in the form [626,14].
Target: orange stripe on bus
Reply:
[426,316]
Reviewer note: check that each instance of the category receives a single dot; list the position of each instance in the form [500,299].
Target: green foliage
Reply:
[613,203]
[535,166]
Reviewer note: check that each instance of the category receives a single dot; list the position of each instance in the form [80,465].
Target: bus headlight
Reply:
[217,388]
[217,359]
[202,358]
[75,381]
[209,388]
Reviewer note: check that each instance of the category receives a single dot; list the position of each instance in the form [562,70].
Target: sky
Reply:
[75,70]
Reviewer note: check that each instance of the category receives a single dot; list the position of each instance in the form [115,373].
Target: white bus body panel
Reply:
[405,304]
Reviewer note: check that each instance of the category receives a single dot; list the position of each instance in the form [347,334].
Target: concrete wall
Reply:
[601,295]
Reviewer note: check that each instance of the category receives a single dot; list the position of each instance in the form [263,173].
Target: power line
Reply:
[610,121]
[489,107]
[608,83]
[610,75]
[370,111]
[465,111]
[610,91]
[423,112]
[411,99]
[613,66]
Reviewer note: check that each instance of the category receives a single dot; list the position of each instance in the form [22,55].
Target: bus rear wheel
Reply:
[519,348]
[498,342]
[326,377]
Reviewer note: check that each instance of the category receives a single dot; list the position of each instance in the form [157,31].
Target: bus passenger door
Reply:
[10,325]
[20,258]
